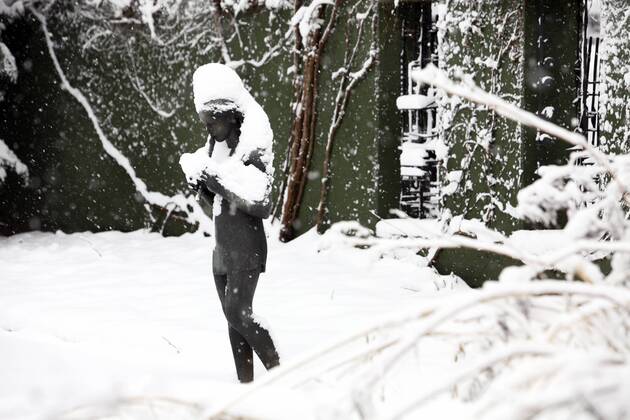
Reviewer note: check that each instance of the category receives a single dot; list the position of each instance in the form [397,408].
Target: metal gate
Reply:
[419,195]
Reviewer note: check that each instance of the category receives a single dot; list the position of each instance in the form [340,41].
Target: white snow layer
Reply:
[95,319]
[128,326]
[305,19]
[193,164]
[412,154]
[239,6]
[247,182]
[9,160]
[414,101]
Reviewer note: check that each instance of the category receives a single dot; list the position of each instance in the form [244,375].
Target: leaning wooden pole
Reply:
[295,106]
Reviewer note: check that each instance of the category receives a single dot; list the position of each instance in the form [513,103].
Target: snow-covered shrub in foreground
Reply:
[544,349]
[523,348]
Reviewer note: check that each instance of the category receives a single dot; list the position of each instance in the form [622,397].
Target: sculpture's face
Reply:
[218,128]
[225,126]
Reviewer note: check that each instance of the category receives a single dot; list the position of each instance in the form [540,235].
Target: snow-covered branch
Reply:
[138,86]
[347,82]
[8,68]
[151,197]
[426,320]
[466,89]
[8,160]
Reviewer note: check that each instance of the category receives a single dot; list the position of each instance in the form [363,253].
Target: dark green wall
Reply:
[387,86]
[615,67]
[485,40]
[365,166]
[551,78]
[73,184]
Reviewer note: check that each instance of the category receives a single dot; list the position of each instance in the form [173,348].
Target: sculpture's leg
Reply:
[241,350]
[239,296]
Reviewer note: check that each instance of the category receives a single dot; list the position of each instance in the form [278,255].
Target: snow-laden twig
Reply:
[431,75]
[347,83]
[549,260]
[151,197]
[618,296]
[306,20]
[431,315]
[267,56]
[566,380]
[273,50]
[501,356]
[137,84]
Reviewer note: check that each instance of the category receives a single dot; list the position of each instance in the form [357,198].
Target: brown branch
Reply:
[295,132]
[303,132]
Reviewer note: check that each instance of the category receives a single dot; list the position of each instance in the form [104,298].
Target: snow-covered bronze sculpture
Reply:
[234,172]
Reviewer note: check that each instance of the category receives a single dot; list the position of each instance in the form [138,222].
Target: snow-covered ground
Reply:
[129,324]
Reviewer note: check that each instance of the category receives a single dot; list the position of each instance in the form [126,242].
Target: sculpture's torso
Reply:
[240,241]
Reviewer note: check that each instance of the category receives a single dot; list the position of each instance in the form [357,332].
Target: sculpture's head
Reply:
[223,120]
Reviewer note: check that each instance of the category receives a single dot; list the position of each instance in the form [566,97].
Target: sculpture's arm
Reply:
[204,196]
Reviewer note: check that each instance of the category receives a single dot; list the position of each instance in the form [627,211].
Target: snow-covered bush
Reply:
[523,347]
[8,68]
[9,9]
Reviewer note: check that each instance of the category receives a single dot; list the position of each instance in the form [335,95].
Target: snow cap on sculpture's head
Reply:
[217,84]
[221,107]
[219,90]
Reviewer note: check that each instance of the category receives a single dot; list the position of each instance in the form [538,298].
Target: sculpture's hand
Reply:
[195,186]
[198,184]
[209,179]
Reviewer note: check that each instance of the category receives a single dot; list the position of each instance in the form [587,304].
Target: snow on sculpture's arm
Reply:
[245,183]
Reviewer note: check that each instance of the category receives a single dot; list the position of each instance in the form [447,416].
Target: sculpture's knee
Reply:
[237,315]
